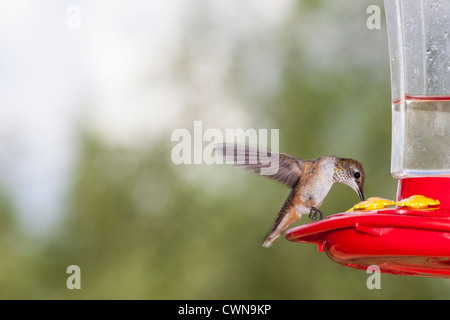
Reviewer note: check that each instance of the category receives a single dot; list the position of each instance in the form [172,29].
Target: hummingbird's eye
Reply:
[357,175]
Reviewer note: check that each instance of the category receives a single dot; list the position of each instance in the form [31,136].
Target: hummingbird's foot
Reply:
[314,212]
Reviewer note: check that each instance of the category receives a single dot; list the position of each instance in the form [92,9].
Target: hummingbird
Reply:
[309,181]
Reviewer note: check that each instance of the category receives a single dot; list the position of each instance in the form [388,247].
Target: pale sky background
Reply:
[114,76]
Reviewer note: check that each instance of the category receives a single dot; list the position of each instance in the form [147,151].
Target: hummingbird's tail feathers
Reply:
[287,216]
[270,240]
[278,166]
[282,222]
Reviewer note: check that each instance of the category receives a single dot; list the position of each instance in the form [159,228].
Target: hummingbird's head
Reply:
[351,173]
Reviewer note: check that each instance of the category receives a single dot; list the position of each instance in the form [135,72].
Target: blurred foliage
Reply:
[140,227]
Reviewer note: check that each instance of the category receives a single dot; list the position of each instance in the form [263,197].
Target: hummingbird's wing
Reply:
[286,168]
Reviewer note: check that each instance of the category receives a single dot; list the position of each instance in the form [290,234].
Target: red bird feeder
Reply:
[409,236]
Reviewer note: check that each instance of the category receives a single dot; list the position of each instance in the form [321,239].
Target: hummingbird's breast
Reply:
[315,182]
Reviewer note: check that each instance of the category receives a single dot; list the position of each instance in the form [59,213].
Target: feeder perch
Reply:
[411,235]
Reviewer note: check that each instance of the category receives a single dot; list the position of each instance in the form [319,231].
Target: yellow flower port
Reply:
[418,202]
[414,202]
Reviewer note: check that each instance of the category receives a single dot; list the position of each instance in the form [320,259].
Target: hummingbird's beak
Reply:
[361,194]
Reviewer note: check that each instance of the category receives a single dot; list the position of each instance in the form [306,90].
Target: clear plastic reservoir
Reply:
[419,49]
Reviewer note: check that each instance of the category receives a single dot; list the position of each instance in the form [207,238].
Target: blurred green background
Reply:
[140,227]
